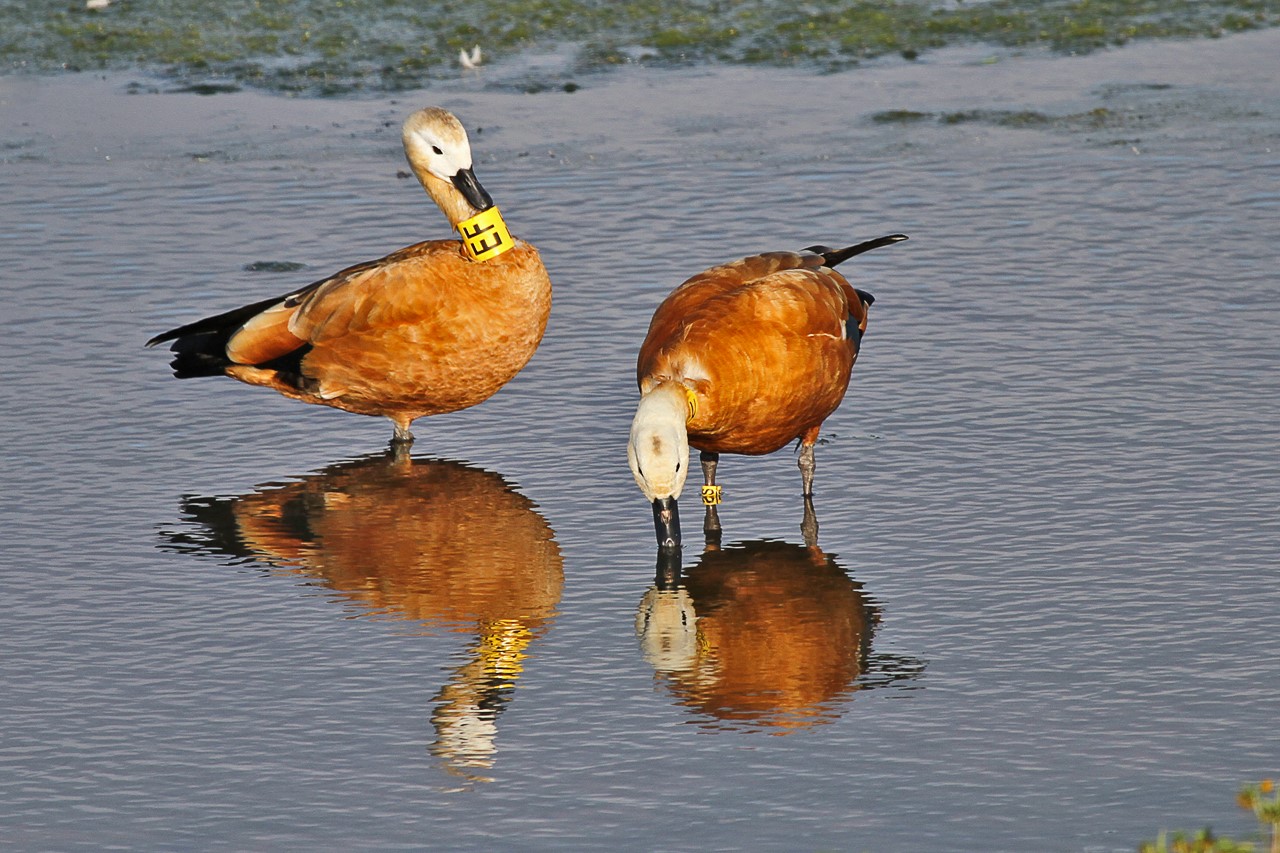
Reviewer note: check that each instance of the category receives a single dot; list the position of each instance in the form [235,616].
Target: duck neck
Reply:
[452,203]
[669,404]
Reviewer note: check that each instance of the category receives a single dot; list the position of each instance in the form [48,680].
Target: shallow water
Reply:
[1041,612]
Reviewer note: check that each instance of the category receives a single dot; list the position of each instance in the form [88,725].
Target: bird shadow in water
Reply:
[764,635]
[438,543]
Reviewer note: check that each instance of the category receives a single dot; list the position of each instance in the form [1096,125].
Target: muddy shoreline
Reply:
[1138,96]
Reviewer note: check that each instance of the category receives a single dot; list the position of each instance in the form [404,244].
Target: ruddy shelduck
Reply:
[743,358]
[435,327]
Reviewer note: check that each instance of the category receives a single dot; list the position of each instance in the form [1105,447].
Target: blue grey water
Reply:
[1042,615]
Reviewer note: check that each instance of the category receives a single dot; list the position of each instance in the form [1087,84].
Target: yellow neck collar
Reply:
[485,235]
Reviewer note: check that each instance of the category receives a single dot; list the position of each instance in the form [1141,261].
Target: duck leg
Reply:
[402,437]
[711,521]
[806,461]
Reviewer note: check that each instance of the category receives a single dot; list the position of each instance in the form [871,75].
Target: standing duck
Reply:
[743,358]
[434,327]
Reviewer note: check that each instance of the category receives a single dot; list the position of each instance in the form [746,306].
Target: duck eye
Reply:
[436,148]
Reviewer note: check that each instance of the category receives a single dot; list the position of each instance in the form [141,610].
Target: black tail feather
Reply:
[200,348]
[199,355]
[833,257]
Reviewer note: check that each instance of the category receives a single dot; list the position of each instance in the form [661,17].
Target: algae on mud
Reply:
[348,46]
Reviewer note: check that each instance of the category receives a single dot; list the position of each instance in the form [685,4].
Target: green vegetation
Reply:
[1261,799]
[335,46]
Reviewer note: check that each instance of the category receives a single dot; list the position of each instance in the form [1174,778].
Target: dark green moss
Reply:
[1100,118]
[900,117]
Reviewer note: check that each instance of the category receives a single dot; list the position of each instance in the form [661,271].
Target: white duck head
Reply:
[658,452]
[436,145]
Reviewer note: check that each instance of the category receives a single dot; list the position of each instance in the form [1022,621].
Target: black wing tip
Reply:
[833,257]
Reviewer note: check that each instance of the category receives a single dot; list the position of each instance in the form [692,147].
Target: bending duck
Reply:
[743,358]
[435,327]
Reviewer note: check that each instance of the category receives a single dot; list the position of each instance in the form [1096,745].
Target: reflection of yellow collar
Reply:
[693,403]
[502,644]
[485,235]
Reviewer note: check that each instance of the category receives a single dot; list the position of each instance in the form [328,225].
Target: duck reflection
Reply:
[761,635]
[441,543]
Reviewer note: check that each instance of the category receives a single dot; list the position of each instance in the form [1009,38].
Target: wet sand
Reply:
[1156,90]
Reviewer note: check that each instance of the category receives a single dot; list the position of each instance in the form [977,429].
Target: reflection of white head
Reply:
[667,627]
[465,735]
[659,447]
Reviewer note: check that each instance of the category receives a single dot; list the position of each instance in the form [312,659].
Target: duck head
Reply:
[658,452]
[436,145]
